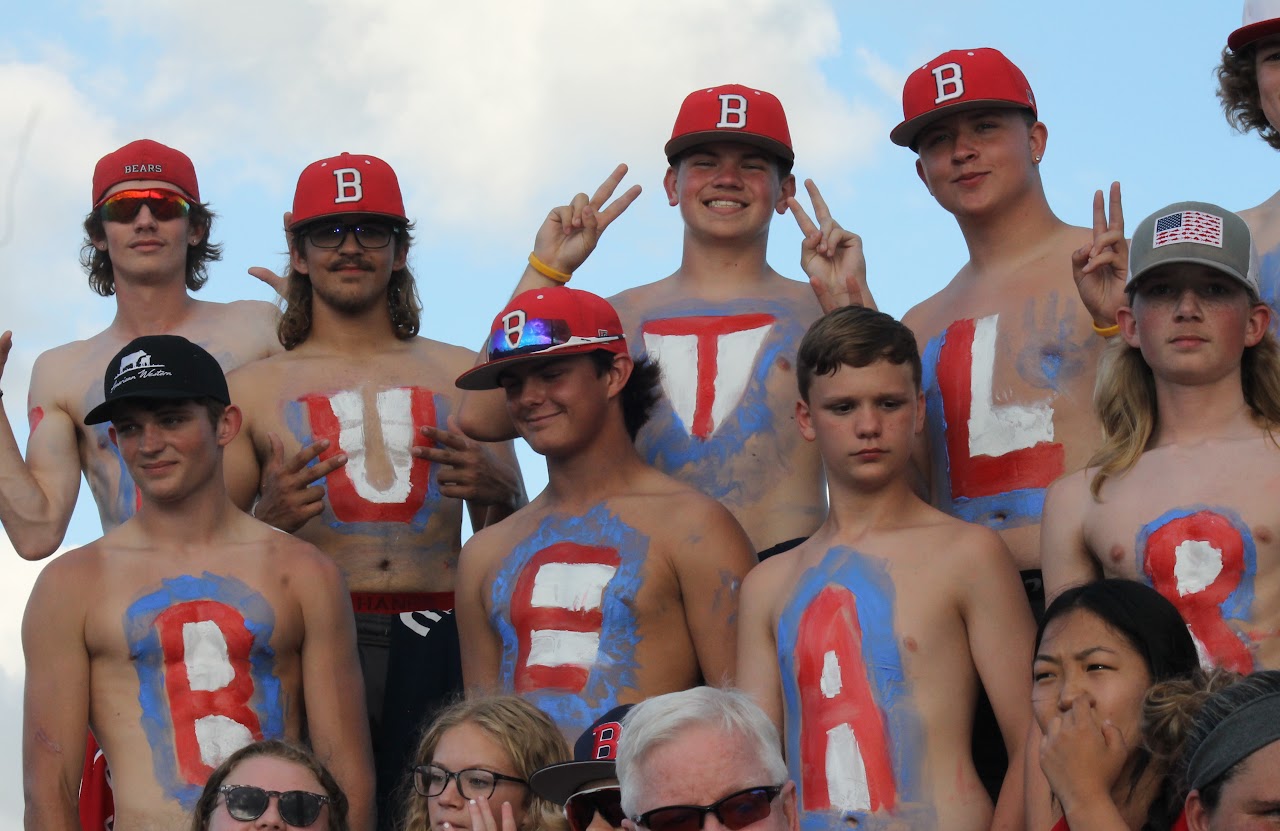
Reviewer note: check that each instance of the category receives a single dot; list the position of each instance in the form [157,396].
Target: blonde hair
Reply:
[528,737]
[1124,399]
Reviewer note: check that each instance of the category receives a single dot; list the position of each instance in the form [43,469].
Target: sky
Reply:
[494,111]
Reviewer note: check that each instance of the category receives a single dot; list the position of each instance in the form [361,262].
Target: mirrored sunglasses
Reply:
[332,234]
[735,811]
[583,806]
[163,204]
[245,803]
[539,335]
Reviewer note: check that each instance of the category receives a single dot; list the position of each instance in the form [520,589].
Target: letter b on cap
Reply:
[949,80]
[733,112]
[349,187]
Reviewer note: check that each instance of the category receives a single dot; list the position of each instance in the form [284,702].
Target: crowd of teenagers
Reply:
[1011,562]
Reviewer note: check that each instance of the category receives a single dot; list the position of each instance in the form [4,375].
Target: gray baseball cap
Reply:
[1194,232]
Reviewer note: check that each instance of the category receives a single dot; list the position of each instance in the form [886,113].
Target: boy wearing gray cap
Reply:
[1181,494]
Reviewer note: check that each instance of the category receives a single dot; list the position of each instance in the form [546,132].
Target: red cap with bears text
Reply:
[963,79]
[731,113]
[347,184]
[144,159]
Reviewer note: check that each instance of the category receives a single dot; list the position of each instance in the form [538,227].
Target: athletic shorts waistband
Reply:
[394,603]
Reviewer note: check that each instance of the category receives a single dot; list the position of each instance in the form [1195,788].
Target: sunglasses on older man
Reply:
[583,806]
[163,204]
[735,811]
[245,803]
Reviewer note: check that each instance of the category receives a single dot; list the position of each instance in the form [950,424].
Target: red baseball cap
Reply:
[731,113]
[347,184]
[144,159]
[963,79]
[542,323]
[1261,18]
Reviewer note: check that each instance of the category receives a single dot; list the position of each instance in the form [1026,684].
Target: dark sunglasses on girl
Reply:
[246,803]
[735,811]
[583,806]
[163,204]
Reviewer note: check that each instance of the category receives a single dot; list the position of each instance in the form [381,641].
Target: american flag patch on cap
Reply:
[1188,226]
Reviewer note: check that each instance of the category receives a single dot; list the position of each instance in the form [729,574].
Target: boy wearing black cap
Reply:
[587,787]
[617,582]
[147,244]
[188,631]
[1181,494]
[1008,349]
[358,392]
[725,325]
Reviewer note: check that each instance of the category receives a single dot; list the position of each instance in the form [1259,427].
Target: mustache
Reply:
[355,261]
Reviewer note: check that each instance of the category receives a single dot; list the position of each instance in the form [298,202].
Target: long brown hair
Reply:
[97,263]
[402,298]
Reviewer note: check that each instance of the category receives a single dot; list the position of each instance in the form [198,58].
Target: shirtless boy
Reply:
[724,325]
[1249,88]
[617,582]
[1182,493]
[867,643]
[191,629]
[148,245]
[1008,349]
[358,388]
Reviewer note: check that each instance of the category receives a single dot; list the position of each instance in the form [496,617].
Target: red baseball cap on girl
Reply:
[144,159]
[545,323]
[731,113]
[347,184]
[963,79]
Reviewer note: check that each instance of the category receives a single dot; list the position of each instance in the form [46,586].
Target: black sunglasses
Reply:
[248,802]
[369,234]
[735,811]
[583,806]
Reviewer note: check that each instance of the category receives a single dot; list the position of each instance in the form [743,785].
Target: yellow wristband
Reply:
[547,271]
[1107,332]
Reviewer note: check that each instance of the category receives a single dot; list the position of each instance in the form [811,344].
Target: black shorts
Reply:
[412,667]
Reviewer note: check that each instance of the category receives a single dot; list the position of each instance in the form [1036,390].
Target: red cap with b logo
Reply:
[963,79]
[347,184]
[731,113]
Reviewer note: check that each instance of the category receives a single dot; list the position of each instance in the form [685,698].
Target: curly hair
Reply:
[97,263]
[528,737]
[1238,92]
[402,298]
[276,749]
[641,391]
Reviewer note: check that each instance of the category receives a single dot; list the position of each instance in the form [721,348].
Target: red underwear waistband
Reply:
[393,603]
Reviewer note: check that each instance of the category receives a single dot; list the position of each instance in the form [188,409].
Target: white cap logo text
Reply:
[349,188]
[733,112]
[949,81]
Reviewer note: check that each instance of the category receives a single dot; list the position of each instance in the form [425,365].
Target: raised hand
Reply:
[468,469]
[6,343]
[287,494]
[570,232]
[1100,269]
[831,256]
[277,283]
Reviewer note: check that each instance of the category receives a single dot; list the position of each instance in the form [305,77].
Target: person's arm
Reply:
[337,725]
[1101,268]
[1001,637]
[567,237]
[485,474]
[758,672]
[38,495]
[55,714]
[481,648]
[1064,557]
[711,565]
[831,256]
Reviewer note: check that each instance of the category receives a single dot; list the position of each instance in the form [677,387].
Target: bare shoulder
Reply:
[454,359]
[1071,488]
[923,318]
[65,576]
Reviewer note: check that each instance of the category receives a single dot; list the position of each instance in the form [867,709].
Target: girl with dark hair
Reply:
[271,784]
[1099,649]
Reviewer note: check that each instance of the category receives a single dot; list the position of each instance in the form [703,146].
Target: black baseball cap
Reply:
[595,756]
[159,366]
